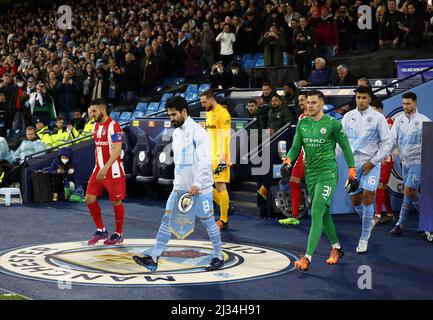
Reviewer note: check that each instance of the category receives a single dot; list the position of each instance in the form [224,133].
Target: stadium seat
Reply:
[166,96]
[204,87]
[249,64]
[125,116]
[180,94]
[153,107]
[191,96]
[260,63]
[161,106]
[115,115]
[141,106]
[138,114]
[192,88]
[246,57]
[259,56]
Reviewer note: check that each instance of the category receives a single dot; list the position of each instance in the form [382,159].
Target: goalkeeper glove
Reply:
[352,183]
[221,167]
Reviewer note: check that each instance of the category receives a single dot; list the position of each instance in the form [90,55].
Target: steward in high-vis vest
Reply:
[88,130]
[43,133]
[62,133]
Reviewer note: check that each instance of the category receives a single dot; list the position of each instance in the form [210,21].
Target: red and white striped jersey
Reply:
[105,136]
[301,154]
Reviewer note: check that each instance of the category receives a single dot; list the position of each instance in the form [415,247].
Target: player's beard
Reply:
[178,123]
[98,117]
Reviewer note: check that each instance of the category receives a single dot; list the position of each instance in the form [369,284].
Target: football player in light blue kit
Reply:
[193,174]
[370,139]
[407,137]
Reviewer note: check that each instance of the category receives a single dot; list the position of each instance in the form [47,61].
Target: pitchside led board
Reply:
[392,107]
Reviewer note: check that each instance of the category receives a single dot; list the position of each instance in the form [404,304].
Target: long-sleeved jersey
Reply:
[406,134]
[218,125]
[368,134]
[318,138]
[192,159]
[27,148]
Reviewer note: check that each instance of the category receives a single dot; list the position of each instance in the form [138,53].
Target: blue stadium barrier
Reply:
[249,64]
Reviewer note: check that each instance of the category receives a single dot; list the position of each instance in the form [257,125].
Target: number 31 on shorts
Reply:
[326,192]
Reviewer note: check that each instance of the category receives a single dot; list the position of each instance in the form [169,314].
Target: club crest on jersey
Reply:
[369,119]
[185,203]
[323,130]
[104,131]
[416,124]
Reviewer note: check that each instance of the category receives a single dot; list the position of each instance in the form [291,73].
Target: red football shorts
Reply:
[116,188]
[298,170]
[385,171]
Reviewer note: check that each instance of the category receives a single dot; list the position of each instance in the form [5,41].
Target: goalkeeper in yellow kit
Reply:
[218,125]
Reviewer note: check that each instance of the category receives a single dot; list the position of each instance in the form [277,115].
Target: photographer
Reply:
[274,44]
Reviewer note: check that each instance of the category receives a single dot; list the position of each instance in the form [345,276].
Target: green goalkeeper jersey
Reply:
[318,138]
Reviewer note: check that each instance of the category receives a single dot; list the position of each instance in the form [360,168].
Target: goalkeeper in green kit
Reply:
[318,135]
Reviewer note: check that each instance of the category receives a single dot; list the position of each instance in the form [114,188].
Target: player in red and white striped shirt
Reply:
[298,172]
[108,173]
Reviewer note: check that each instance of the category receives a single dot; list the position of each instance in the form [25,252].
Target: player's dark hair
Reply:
[409,95]
[363,89]
[178,103]
[316,93]
[376,103]
[208,94]
[99,102]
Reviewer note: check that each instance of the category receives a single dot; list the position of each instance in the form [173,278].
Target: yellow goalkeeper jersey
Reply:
[218,125]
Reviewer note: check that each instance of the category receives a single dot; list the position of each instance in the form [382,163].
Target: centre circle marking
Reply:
[182,263]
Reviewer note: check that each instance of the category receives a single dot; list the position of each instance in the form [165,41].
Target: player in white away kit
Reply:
[407,137]
[193,179]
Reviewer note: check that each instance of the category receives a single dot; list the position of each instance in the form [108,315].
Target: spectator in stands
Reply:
[389,31]
[279,115]
[413,27]
[241,45]
[28,146]
[260,113]
[6,159]
[320,76]
[290,93]
[273,43]
[160,59]
[41,105]
[78,122]
[304,47]
[130,80]
[98,86]
[267,94]
[219,78]
[193,55]
[238,78]
[226,38]
[148,73]
[62,174]
[206,39]
[326,32]
[344,77]
[252,29]
[68,95]
[3,115]
[18,110]
[290,13]
[8,88]
[345,25]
